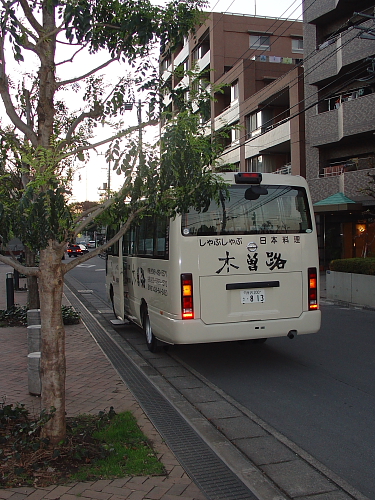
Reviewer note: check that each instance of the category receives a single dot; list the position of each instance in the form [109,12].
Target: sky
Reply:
[89,180]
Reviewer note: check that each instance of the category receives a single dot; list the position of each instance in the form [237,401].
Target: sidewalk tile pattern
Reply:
[92,385]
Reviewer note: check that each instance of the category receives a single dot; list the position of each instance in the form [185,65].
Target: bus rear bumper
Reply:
[195,331]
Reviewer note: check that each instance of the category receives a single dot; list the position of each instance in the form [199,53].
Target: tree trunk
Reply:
[32,282]
[53,368]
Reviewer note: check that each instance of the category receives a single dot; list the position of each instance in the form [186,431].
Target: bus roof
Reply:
[279,179]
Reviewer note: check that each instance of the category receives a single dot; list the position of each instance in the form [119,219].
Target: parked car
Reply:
[76,250]
[91,244]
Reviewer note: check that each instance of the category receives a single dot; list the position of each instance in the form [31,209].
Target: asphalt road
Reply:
[318,390]
[92,274]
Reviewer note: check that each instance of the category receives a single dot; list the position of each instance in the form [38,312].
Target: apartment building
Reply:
[339,63]
[259,59]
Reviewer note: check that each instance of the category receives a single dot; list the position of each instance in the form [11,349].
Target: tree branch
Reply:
[109,139]
[98,210]
[84,213]
[98,250]
[8,104]
[82,77]
[94,113]
[28,271]
[73,56]
[30,16]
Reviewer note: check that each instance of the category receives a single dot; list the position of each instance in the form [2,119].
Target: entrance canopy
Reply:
[336,203]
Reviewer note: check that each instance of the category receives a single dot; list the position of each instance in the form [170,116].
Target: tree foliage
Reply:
[46,133]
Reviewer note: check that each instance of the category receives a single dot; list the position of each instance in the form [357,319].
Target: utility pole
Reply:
[109,181]
[139,113]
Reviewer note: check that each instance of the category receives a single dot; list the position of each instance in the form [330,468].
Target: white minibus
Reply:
[243,268]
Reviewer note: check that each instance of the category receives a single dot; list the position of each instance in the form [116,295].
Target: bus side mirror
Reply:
[253,192]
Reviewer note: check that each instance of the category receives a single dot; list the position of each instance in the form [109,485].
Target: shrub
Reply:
[17,316]
[356,265]
[70,315]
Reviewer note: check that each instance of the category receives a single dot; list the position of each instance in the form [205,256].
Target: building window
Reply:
[255,164]
[297,45]
[260,42]
[201,50]
[253,124]
[235,133]
[234,91]
[166,63]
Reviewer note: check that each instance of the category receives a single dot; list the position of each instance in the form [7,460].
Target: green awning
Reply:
[334,199]
[336,202]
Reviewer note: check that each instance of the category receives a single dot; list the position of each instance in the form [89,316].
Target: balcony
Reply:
[275,139]
[285,170]
[335,54]
[167,72]
[313,10]
[351,118]
[230,155]
[351,165]
[204,61]
[182,55]
[228,116]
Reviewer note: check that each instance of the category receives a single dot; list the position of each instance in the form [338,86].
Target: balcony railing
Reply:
[351,165]
[285,170]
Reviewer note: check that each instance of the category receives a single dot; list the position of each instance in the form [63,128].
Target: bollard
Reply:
[10,290]
[33,338]
[33,371]
[33,317]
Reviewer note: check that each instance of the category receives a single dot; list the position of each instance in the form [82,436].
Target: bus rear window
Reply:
[252,210]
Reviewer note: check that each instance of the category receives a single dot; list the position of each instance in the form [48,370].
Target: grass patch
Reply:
[129,452]
[103,446]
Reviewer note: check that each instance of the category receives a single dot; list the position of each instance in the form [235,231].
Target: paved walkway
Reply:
[92,385]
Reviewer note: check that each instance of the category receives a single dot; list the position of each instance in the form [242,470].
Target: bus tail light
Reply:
[248,178]
[313,288]
[187,296]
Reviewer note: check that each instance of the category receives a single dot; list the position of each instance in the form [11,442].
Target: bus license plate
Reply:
[252,296]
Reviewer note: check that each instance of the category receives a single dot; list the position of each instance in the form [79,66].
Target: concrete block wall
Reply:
[353,288]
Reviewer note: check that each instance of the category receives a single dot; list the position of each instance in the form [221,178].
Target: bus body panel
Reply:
[250,298]
[174,331]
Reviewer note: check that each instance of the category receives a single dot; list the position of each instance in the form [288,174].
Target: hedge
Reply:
[357,265]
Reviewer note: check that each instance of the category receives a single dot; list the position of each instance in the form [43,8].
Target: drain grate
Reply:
[210,473]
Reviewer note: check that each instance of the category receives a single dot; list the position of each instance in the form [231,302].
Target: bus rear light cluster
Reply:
[187,296]
[248,178]
[313,288]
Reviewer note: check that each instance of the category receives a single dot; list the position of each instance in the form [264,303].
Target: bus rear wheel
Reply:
[151,340]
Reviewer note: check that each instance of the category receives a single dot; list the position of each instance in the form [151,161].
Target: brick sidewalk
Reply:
[92,385]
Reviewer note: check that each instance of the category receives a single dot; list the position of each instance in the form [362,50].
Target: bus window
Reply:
[113,249]
[162,238]
[146,237]
[151,237]
[276,209]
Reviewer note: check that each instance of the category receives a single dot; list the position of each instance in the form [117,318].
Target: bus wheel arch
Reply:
[151,340]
